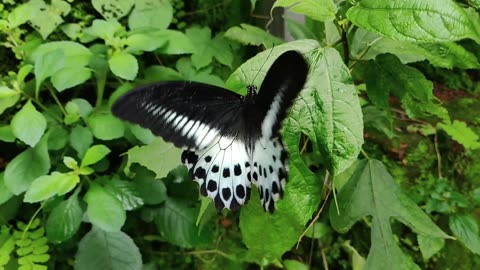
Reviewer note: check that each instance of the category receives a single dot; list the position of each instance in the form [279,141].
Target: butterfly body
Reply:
[231,141]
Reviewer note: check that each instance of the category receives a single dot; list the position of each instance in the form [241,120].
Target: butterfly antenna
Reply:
[261,67]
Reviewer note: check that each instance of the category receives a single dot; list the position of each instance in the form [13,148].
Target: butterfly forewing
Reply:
[232,141]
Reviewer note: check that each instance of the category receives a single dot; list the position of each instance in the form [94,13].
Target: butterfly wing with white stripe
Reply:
[188,114]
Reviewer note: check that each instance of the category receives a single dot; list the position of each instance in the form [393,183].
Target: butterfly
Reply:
[231,141]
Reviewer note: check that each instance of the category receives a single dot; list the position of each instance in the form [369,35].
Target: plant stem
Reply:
[439,157]
[52,92]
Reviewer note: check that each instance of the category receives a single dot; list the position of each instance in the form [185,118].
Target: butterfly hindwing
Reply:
[187,114]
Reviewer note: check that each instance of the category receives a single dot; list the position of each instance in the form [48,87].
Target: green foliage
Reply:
[100,193]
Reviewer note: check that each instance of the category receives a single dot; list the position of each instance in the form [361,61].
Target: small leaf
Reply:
[320,10]
[104,210]
[251,35]
[64,220]
[124,65]
[28,124]
[461,133]
[7,98]
[80,139]
[47,186]
[5,194]
[6,134]
[57,137]
[46,18]
[434,20]
[26,167]
[105,126]
[151,14]
[429,246]
[143,42]
[159,157]
[94,154]
[126,192]
[465,228]
[70,77]
[151,190]
[111,9]
[100,249]
[294,265]
[70,163]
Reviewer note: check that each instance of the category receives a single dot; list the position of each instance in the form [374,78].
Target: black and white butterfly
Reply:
[231,141]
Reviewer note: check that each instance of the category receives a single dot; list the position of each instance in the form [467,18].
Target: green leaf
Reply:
[126,192]
[80,139]
[159,157]
[465,228]
[142,134]
[94,154]
[47,65]
[46,18]
[161,73]
[124,65]
[70,77]
[105,126]
[251,35]
[28,124]
[7,98]
[176,224]
[143,42]
[113,9]
[26,167]
[104,210]
[429,246]
[151,14]
[178,43]
[5,194]
[320,10]
[446,54]
[294,265]
[206,48]
[298,30]
[70,163]
[76,54]
[6,134]
[428,21]
[461,133]
[47,186]
[64,220]
[22,13]
[105,250]
[104,29]
[57,138]
[387,74]
[151,190]
[371,191]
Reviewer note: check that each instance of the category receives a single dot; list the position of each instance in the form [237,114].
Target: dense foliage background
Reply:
[383,140]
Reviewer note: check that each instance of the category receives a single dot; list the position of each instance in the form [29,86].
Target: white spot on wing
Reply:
[187,127]
[271,117]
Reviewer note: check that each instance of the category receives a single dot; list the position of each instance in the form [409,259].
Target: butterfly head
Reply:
[251,93]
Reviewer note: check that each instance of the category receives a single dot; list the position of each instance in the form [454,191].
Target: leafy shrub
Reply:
[109,195]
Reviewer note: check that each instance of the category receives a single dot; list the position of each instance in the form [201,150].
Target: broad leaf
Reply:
[5,194]
[46,18]
[8,98]
[64,220]
[178,43]
[429,246]
[371,191]
[105,126]
[104,210]
[104,250]
[70,77]
[207,48]
[126,192]
[80,139]
[426,21]
[26,167]
[144,42]
[151,190]
[159,157]
[320,10]
[28,124]
[176,224]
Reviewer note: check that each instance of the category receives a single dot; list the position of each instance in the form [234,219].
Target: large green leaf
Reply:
[27,166]
[126,192]
[465,228]
[80,139]
[104,250]
[159,157]
[47,186]
[8,98]
[46,18]
[94,154]
[28,124]
[426,21]
[176,224]
[371,191]
[5,194]
[388,75]
[460,132]
[151,14]
[124,65]
[113,9]
[178,42]
[104,125]
[251,35]
[207,48]
[64,220]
